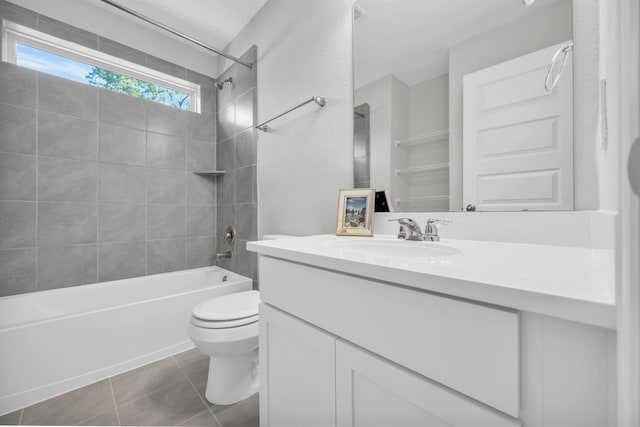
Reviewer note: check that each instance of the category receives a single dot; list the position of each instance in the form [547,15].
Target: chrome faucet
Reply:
[410,230]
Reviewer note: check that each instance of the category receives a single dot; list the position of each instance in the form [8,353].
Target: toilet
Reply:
[226,329]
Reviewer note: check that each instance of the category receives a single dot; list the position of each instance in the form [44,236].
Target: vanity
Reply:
[509,320]
[381,332]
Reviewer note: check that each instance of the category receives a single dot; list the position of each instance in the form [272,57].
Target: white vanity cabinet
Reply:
[373,392]
[316,379]
[297,372]
[344,350]
[448,344]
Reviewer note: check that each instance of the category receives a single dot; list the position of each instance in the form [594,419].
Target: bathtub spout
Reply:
[223,255]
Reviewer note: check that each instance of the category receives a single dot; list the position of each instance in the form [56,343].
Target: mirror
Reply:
[410,134]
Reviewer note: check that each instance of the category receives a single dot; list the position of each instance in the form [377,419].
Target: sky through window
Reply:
[50,63]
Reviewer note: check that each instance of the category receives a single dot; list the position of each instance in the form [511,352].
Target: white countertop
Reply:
[567,282]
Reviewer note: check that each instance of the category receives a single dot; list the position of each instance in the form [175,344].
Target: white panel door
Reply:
[373,392]
[517,137]
[297,372]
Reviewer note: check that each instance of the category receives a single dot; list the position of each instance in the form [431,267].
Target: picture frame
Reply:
[355,212]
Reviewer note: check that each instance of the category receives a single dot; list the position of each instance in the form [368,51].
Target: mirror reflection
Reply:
[451,110]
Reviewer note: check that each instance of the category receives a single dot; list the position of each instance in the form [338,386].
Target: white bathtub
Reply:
[55,341]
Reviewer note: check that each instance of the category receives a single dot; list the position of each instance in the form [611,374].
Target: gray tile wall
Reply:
[96,185]
[236,154]
[361,156]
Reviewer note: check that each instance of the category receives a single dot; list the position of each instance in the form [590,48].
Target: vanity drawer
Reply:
[471,348]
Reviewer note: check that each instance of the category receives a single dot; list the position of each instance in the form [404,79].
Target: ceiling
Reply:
[214,22]
[407,38]
[411,38]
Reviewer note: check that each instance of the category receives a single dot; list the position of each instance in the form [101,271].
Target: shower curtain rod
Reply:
[176,32]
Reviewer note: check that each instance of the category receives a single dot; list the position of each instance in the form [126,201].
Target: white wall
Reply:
[378,95]
[304,50]
[586,56]
[539,29]
[595,56]
[389,112]
[429,106]
[400,117]
[398,111]
[135,34]
[607,152]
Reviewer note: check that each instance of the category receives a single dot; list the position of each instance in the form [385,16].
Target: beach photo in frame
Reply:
[355,212]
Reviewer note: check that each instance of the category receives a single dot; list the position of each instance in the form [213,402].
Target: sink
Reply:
[392,248]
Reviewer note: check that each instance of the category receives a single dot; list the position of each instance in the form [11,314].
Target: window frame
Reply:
[14,34]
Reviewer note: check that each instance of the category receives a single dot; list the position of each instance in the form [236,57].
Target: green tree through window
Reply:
[131,86]
[79,71]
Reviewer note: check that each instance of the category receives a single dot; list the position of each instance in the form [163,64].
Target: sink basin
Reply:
[392,248]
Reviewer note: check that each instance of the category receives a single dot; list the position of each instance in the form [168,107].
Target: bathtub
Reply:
[58,340]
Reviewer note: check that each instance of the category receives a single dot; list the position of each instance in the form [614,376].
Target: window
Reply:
[41,52]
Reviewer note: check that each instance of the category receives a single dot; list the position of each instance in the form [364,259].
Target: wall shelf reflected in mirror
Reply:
[441,135]
[422,169]
[409,66]
[407,200]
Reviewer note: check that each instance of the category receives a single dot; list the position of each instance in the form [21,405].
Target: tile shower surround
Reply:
[236,154]
[96,185]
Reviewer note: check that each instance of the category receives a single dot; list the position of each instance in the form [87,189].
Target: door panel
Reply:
[373,392]
[517,137]
[297,365]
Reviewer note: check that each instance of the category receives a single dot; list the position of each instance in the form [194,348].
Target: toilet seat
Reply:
[228,311]
[212,324]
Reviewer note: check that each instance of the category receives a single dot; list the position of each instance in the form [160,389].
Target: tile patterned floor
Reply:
[169,392]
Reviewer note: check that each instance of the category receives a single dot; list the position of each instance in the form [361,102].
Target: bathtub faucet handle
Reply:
[230,235]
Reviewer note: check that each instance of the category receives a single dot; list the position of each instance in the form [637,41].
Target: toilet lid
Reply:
[239,305]
[225,324]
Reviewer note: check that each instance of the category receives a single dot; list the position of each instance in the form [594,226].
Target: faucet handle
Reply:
[439,221]
[399,219]
[433,223]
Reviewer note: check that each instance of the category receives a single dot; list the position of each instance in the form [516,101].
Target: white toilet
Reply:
[226,329]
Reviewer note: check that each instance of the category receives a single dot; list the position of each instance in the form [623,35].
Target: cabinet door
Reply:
[297,372]
[373,392]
